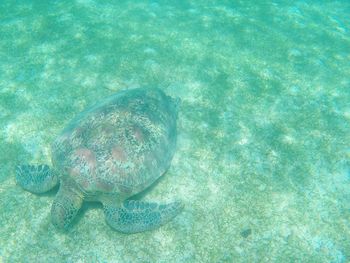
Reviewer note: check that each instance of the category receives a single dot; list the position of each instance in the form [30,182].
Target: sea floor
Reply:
[263,156]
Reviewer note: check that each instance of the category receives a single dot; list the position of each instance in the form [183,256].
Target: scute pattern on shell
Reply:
[122,144]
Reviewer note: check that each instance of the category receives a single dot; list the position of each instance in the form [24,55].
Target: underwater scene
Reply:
[196,131]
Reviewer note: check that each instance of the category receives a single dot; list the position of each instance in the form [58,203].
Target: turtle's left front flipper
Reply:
[137,216]
[36,178]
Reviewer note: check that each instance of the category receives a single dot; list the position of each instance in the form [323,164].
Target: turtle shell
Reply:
[120,145]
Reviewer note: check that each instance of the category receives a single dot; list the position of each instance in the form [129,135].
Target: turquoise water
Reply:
[263,157]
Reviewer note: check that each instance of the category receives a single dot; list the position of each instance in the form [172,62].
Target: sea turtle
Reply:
[108,153]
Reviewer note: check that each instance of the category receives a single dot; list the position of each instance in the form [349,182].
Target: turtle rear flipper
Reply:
[137,216]
[36,178]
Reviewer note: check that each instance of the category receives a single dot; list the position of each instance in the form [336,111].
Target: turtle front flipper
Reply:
[66,205]
[36,178]
[137,216]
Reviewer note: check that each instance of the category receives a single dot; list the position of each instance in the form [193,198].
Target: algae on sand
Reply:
[263,127]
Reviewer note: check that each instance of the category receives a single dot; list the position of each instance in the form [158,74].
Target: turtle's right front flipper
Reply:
[36,178]
[137,216]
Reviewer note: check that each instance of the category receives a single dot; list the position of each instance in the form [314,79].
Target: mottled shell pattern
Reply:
[120,145]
